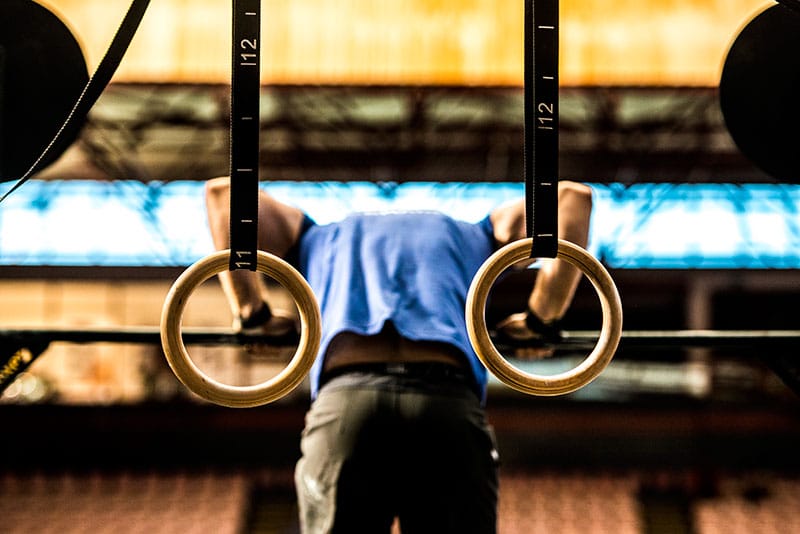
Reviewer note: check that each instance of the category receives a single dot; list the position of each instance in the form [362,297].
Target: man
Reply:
[396,428]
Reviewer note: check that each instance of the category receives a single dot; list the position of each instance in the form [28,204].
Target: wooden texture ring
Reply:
[544,385]
[240,396]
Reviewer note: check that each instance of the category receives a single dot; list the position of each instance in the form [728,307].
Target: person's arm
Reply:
[557,280]
[278,229]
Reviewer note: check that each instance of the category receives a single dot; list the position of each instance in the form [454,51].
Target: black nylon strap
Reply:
[541,126]
[244,133]
[94,88]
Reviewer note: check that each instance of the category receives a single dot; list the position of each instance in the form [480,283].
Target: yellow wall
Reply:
[647,42]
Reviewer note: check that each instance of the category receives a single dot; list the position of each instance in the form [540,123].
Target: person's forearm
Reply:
[557,280]
[242,287]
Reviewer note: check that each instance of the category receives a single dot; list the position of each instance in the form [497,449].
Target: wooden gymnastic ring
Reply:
[240,396]
[544,385]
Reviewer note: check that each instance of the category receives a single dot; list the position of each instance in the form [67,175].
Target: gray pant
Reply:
[379,446]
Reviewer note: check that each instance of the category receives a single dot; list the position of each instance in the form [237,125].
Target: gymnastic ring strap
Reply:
[94,87]
[244,133]
[540,153]
[545,385]
[240,396]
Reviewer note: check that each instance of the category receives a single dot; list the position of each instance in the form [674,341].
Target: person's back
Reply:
[410,269]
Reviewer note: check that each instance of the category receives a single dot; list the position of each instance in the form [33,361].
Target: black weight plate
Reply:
[42,74]
[760,92]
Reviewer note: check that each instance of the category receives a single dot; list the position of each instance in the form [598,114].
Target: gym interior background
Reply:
[369,103]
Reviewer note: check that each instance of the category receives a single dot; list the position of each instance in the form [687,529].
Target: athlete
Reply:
[396,430]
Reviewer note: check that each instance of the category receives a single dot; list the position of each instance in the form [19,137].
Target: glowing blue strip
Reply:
[685,226]
[658,226]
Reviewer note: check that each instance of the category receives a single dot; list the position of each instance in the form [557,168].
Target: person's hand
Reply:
[279,325]
[282,329]
[515,333]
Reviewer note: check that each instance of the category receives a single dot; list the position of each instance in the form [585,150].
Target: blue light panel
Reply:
[650,226]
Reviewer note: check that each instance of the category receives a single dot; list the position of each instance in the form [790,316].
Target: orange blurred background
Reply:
[456,42]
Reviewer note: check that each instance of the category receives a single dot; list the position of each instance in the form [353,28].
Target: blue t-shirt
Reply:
[411,268]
